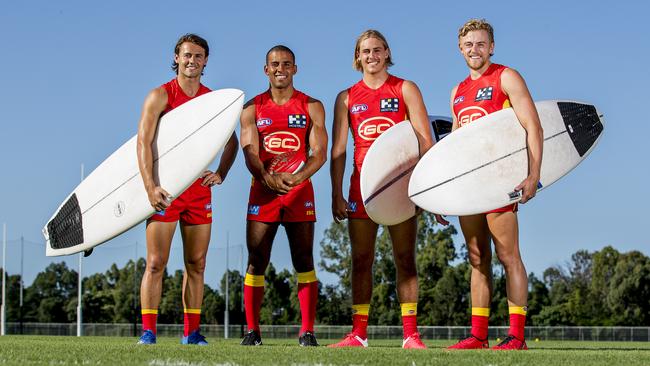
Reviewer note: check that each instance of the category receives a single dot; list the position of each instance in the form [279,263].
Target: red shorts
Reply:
[510,208]
[355,202]
[295,206]
[192,207]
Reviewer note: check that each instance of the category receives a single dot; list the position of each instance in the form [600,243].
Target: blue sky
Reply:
[76,74]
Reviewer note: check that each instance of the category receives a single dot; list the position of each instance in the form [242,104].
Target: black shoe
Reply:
[252,338]
[308,339]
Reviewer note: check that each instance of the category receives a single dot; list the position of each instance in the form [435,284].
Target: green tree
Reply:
[336,255]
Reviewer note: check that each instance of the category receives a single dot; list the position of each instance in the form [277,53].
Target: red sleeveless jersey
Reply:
[373,111]
[477,98]
[176,96]
[282,128]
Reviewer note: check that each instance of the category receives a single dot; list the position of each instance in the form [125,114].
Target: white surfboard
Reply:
[477,167]
[387,167]
[112,199]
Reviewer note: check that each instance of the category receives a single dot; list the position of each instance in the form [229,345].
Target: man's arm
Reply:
[454,120]
[417,114]
[522,103]
[251,147]
[317,144]
[338,155]
[154,106]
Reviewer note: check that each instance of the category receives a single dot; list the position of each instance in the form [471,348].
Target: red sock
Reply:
[149,318]
[308,297]
[360,325]
[191,321]
[253,296]
[410,324]
[480,326]
[517,325]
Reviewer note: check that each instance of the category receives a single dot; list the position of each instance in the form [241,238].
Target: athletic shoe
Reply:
[147,337]
[194,338]
[413,342]
[471,342]
[350,340]
[511,343]
[252,338]
[307,339]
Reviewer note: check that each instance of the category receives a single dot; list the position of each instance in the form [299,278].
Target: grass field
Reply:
[51,350]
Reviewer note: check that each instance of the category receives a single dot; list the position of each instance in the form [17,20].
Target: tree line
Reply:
[600,288]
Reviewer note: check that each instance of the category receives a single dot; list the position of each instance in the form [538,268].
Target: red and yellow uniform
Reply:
[281,129]
[371,112]
[477,98]
[194,205]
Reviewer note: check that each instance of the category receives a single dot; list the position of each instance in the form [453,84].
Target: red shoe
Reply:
[350,340]
[413,342]
[511,343]
[471,342]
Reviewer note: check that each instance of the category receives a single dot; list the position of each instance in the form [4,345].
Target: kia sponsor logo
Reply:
[358,108]
[469,114]
[281,142]
[371,128]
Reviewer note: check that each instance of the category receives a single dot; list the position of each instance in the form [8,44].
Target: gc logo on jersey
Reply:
[371,128]
[264,122]
[389,105]
[484,94]
[358,108]
[281,142]
[469,114]
[297,121]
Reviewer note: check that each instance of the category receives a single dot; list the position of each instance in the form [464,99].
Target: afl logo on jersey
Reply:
[371,128]
[264,122]
[459,99]
[469,114]
[358,108]
[281,142]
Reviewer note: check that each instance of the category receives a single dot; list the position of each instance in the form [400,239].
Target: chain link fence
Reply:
[624,334]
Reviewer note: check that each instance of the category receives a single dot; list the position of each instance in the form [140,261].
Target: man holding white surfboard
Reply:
[368,108]
[491,87]
[282,127]
[192,208]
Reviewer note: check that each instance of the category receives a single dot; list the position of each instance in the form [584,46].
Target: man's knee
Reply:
[195,265]
[480,260]
[156,265]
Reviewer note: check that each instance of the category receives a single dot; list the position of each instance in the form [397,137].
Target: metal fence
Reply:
[638,334]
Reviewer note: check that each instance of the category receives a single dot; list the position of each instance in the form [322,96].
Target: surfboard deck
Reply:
[387,168]
[112,199]
[477,167]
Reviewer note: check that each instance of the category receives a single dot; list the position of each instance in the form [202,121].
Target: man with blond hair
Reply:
[488,88]
[368,108]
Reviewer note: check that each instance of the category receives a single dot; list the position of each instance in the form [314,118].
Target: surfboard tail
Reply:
[65,229]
